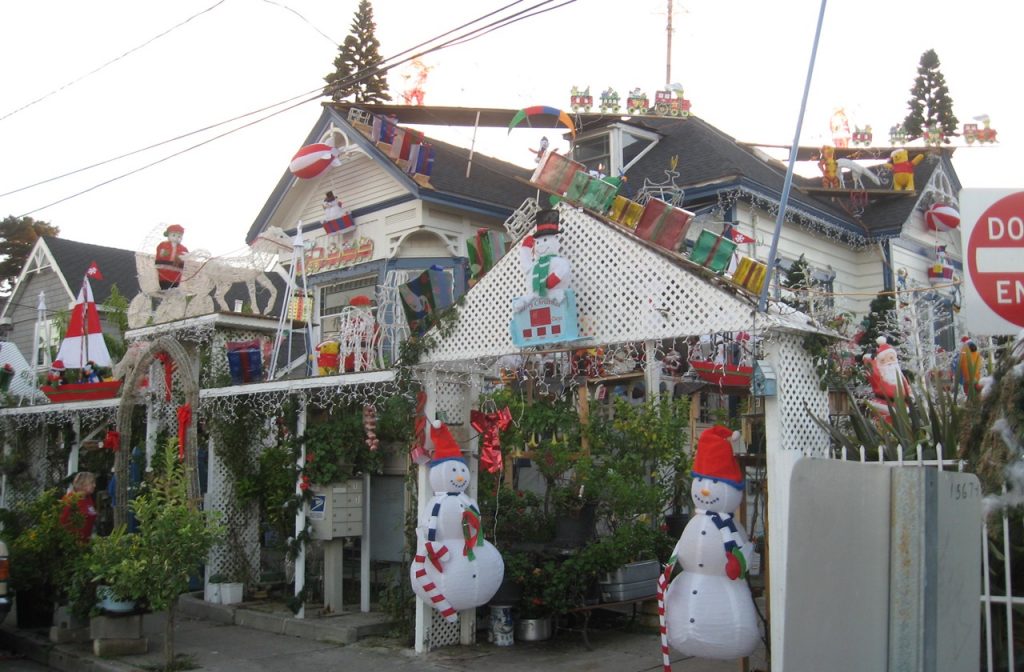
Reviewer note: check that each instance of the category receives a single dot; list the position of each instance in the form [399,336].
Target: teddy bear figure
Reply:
[902,167]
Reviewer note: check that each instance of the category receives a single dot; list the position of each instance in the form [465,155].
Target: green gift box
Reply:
[578,187]
[599,195]
[712,251]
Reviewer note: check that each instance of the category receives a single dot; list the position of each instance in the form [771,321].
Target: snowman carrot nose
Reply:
[704,492]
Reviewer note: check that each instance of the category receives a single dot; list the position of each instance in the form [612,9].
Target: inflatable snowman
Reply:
[708,609]
[454,567]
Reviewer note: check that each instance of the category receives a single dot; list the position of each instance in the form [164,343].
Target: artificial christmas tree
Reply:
[356,76]
[930,103]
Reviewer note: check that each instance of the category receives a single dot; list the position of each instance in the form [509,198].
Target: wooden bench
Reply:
[588,609]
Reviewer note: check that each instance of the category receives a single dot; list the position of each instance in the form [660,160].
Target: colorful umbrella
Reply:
[528,112]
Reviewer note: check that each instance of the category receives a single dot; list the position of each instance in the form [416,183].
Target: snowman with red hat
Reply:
[454,567]
[708,610]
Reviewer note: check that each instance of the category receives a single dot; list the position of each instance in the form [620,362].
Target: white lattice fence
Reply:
[799,397]
[239,556]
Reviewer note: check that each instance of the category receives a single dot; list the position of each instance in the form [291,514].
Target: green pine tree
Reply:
[880,320]
[798,281]
[930,102]
[17,237]
[356,77]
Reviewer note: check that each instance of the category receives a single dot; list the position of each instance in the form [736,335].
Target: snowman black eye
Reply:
[714,480]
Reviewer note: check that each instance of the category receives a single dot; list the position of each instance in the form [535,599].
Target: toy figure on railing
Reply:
[170,257]
[829,168]
[707,609]
[454,567]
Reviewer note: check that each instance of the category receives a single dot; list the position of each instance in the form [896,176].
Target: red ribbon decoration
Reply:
[184,420]
[165,359]
[489,425]
[112,441]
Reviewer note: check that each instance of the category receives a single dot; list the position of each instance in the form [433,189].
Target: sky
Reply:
[743,64]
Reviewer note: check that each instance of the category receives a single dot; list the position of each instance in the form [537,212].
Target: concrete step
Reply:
[344,628]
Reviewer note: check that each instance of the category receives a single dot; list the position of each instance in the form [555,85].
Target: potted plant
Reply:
[43,555]
[534,617]
[115,566]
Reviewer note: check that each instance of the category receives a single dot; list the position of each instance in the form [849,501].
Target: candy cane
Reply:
[663,580]
[436,556]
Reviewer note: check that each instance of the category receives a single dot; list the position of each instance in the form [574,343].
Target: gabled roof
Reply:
[493,185]
[117,267]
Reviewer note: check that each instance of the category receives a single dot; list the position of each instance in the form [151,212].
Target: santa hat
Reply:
[58,365]
[445,446]
[883,345]
[360,300]
[715,459]
[174,228]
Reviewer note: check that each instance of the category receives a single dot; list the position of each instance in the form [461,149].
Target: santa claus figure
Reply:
[170,257]
[886,378]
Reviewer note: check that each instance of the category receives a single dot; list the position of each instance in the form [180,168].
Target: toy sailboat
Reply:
[82,348]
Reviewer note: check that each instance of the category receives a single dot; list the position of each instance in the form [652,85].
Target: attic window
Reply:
[616,147]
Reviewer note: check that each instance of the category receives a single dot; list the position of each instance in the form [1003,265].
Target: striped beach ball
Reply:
[311,160]
[942,217]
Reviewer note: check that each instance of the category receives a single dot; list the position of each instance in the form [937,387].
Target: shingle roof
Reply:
[117,266]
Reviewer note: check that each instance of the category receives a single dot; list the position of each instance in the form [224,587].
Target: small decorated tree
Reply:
[930,103]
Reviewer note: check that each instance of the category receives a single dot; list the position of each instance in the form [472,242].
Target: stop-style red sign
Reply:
[995,257]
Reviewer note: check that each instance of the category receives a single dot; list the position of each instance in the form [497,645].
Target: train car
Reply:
[609,102]
[861,136]
[972,133]
[668,105]
[581,100]
[637,102]
[897,135]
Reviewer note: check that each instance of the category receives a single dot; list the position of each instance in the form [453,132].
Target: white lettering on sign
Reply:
[1003,291]
[1013,228]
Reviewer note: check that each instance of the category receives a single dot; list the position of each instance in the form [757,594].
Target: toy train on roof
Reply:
[667,103]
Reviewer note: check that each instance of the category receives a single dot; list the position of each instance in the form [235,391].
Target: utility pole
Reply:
[668,49]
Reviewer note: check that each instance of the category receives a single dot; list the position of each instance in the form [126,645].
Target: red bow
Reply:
[184,420]
[489,425]
[165,359]
[112,440]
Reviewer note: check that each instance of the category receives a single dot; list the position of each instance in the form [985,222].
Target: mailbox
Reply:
[337,510]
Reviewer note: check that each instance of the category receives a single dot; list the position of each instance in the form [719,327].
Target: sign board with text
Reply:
[992,226]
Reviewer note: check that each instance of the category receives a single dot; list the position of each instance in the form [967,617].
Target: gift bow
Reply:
[489,425]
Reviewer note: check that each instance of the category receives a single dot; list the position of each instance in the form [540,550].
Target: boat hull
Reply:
[106,389]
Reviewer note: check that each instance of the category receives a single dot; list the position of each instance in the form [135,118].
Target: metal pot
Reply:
[533,629]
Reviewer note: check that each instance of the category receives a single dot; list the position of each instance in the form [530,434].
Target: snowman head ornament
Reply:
[448,470]
[717,478]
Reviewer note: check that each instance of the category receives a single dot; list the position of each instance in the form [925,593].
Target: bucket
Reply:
[533,629]
[501,625]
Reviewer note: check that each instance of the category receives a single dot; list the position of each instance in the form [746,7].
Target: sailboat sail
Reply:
[83,340]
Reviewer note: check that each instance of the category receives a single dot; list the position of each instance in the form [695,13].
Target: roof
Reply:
[116,265]
[492,183]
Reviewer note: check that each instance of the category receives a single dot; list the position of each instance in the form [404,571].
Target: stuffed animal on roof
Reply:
[902,167]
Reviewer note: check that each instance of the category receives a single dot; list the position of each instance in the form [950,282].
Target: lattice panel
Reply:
[442,633]
[450,401]
[799,397]
[625,291]
[241,522]
[520,222]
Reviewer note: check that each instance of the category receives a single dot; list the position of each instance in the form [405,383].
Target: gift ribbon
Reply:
[184,420]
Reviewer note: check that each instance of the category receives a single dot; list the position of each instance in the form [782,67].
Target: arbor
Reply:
[930,103]
[17,236]
[356,75]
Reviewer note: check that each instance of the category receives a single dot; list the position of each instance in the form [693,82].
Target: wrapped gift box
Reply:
[750,274]
[245,362]
[663,224]
[578,187]
[555,172]
[713,251]
[626,212]
[600,194]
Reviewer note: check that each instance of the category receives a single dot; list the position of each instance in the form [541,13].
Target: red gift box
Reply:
[663,224]
[556,172]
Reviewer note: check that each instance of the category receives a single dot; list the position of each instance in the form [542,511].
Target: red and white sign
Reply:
[993,240]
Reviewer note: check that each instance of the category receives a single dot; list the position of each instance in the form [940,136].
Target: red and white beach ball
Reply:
[942,217]
[311,161]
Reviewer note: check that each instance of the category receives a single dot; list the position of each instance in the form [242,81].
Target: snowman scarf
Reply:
[540,274]
[735,563]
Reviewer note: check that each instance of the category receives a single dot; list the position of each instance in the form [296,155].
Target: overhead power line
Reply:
[383,66]
[112,61]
